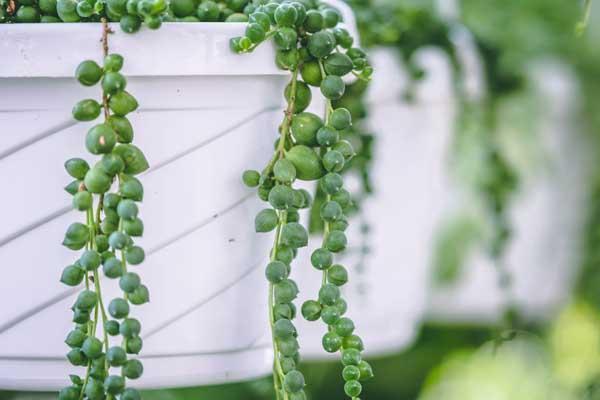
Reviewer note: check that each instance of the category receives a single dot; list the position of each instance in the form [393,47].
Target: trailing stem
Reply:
[111,223]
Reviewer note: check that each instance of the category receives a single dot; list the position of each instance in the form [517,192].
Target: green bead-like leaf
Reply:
[140,295]
[72,275]
[118,308]
[88,73]
[294,235]
[134,227]
[122,128]
[294,381]
[276,272]
[284,329]
[338,275]
[307,163]
[311,310]
[77,236]
[92,347]
[116,356]
[130,327]
[351,357]
[129,282]
[97,181]
[131,188]
[304,128]
[332,342]
[100,139]
[114,384]
[329,294]
[284,171]
[135,161]
[69,393]
[344,327]
[122,103]
[86,110]
[321,44]
[113,62]
[285,291]
[77,168]
[338,64]
[75,338]
[86,300]
[132,369]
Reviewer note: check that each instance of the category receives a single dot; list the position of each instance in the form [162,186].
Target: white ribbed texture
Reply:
[205,116]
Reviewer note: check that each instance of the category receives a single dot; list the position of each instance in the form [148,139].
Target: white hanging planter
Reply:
[387,288]
[205,116]
[547,214]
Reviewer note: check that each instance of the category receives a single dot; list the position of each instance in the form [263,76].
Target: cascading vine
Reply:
[497,187]
[111,223]
[408,28]
[497,180]
[312,46]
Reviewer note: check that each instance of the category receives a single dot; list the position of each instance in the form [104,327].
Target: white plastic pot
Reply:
[387,288]
[547,216]
[205,115]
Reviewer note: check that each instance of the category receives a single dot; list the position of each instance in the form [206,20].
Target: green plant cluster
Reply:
[318,53]
[108,193]
[130,13]
[406,26]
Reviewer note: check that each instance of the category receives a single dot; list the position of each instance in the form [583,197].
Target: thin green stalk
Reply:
[86,380]
[284,131]
[99,310]
[326,224]
[284,128]
[587,11]
[91,324]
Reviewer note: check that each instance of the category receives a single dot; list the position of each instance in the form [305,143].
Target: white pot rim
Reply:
[37,50]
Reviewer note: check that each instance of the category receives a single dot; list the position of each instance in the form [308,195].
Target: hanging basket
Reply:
[205,116]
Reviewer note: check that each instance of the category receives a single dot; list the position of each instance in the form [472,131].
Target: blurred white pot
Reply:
[546,216]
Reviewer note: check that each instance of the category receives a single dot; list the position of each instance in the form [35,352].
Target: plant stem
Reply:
[93,224]
[86,380]
[278,374]
[105,32]
[582,25]
[284,130]
[91,324]
[326,224]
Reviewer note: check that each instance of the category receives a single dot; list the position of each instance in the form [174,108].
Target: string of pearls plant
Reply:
[106,238]
[318,53]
